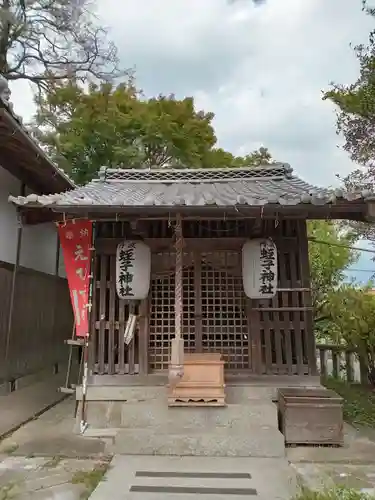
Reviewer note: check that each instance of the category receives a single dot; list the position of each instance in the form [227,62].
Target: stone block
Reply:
[123,393]
[104,413]
[136,415]
[262,442]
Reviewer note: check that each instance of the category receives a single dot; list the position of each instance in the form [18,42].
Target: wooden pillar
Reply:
[92,323]
[254,333]
[278,317]
[102,313]
[13,291]
[111,317]
[144,317]
[255,345]
[285,284]
[307,300]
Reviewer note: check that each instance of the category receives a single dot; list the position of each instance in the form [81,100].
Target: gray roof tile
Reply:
[259,186]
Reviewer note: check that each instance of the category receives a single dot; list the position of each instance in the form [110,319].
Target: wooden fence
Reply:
[42,320]
[341,362]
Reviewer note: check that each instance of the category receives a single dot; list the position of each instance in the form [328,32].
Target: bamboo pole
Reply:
[176,368]
[83,424]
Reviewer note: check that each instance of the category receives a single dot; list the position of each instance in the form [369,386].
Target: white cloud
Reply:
[261,69]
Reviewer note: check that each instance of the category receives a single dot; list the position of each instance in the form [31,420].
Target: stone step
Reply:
[234,394]
[246,395]
[156,414]
[262,441]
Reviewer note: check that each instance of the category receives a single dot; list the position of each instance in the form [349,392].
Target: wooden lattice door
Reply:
[225,326]
[214,308]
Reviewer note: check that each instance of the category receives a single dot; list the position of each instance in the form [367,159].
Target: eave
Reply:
[349,210]
[23,158]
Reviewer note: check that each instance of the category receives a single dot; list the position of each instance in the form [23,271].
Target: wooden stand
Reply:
[310,416]
[202,383]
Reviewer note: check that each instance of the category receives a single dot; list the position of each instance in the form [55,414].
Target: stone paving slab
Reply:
[260,442]
[38,478]
[213,478]
[51,434]
[22,405]
[352,465]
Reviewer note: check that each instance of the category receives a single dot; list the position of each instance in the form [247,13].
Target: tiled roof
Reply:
[272,184]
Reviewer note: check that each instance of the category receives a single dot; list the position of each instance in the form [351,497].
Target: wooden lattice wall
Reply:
[269,336]
[214,308]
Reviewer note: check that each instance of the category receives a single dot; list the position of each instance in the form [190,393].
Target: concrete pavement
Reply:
[352,466]
[51,434]
[44,478]
[210,478]
[43,460]
[44,456]
[22,405]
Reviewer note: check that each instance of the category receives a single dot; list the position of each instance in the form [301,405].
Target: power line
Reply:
[341,245]
[351,270]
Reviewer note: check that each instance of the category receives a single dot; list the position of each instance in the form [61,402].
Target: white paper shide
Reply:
[259,268]
[133,270]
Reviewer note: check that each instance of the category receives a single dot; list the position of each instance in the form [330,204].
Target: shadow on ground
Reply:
[51,434]
[44,460]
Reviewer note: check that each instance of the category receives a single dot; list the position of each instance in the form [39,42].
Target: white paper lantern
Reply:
[133,270]
[259,268]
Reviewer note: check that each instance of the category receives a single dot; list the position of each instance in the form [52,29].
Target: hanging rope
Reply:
[178,279]
[176,369]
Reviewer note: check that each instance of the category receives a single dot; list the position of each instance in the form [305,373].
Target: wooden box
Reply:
[202,383]
[310,416]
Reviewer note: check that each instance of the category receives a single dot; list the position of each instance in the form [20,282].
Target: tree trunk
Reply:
[4,38]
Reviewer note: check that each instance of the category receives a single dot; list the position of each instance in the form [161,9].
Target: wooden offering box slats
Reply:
[202,383]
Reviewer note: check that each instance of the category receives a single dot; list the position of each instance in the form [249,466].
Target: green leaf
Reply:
[115,126]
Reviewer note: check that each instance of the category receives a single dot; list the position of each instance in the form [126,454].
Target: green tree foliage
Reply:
[44,41]
[356,121]
[356,113]
[352,315]
[328,264]
[107,125]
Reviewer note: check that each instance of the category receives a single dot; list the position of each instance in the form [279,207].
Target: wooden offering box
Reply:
[310,416]
[202,383]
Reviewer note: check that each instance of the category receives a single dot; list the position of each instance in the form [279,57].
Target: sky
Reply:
[259,66]
[364,269]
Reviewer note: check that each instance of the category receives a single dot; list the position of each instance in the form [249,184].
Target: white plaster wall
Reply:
[8,220]
[38,248]
[62,272]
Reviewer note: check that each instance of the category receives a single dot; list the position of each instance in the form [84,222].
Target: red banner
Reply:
[75,238]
